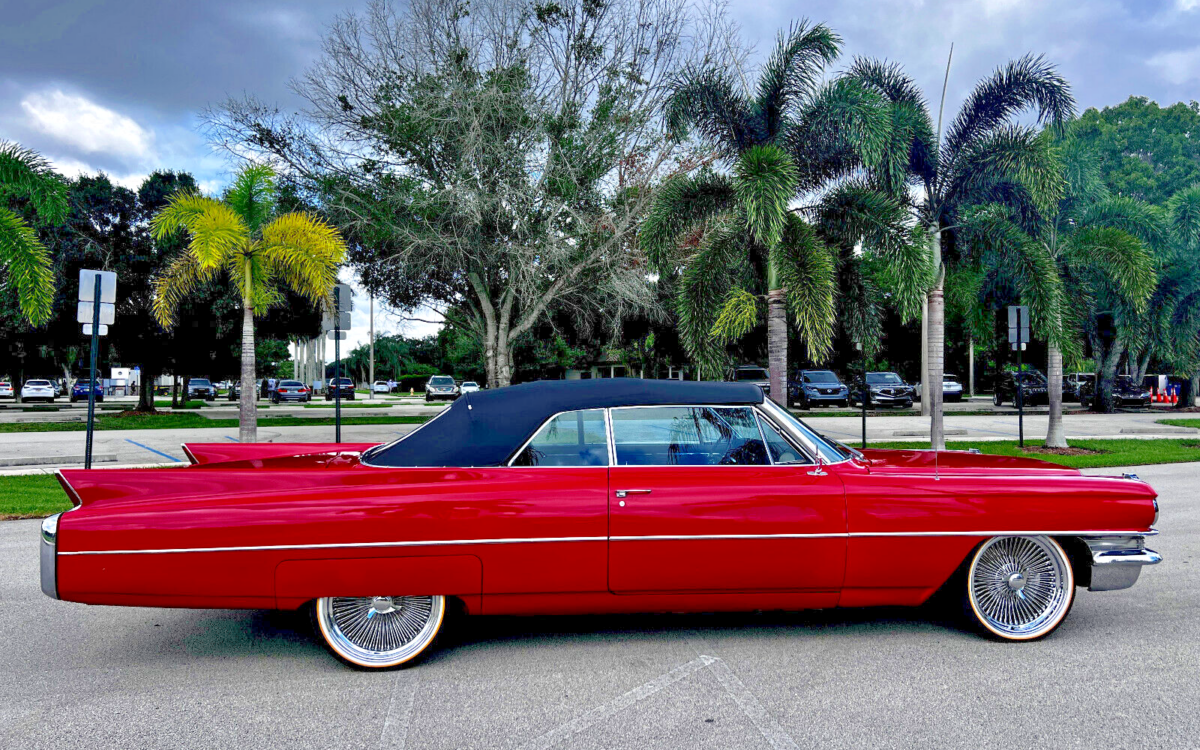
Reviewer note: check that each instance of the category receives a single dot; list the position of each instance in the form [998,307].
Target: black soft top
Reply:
[485,428]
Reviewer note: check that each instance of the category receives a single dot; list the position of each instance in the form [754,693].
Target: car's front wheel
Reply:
[379,632]
[1019,588]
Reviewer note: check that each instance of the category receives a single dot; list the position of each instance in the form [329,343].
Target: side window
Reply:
[687,436]
[575,438]
[782,452]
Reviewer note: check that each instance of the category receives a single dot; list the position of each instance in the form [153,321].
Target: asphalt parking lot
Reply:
[1120,672]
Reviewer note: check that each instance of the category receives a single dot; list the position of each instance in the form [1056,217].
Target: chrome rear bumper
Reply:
[1117,561]
[49,550]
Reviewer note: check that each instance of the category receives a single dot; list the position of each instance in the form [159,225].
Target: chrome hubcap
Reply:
[1019,585]
[380,630]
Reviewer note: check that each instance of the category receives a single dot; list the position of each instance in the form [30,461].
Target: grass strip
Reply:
[175,421]
[1109,452]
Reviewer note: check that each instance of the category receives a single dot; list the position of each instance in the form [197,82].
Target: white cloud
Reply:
[1186,5]
[1179,66]
[81,123]
[74,168]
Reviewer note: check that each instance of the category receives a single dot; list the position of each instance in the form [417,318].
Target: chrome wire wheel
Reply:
[1020,587]
[379,631]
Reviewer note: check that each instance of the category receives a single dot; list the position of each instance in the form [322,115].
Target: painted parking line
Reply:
[228,437]
[152,450]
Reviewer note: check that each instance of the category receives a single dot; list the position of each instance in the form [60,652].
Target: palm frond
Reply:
[1026,83]
[856,215]
[681,203]
[913,138]
[1008,154]
[845,126]
[182,275]
[27,173]
[215,229]
[305,253]
[738,316]
[1004,246]
[807,270]
[703,286]
[764,181]
[1135,217]
[28,267]
[1117,257]
[1184,208]
[707,100]
[252,195]
[794,70]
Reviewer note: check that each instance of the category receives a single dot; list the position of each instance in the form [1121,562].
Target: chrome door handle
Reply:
[623,493]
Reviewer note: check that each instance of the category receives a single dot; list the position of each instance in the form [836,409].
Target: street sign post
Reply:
[97,310]
[1018,336]
[337,323]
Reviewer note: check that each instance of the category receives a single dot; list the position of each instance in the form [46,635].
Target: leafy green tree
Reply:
[1146,152]
[26,176]
[985,168]
[259,251]
[731,236]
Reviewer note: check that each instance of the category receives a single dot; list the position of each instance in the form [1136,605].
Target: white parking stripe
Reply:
[395,725]
[745,700]
[600,713]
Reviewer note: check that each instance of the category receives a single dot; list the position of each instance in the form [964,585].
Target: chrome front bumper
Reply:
[1117,561]
[49,550]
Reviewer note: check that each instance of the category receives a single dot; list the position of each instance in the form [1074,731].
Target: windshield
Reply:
[1029,377]
[820,376]
[470,384]
[442,380]
[37,382]
[751,373]
[831,450]
[291,383]
[883,378]
[199,381]
[949,378]
[343,381]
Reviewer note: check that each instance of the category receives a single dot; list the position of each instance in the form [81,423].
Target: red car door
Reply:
[696,505]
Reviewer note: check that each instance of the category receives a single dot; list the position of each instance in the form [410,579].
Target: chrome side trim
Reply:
[551,539]
[355,545]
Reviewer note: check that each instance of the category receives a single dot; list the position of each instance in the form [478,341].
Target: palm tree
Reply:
[259,251]
[983,158]
[25,174]
[730,234]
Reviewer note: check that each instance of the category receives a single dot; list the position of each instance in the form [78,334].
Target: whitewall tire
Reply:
[1019,588]
[379,632]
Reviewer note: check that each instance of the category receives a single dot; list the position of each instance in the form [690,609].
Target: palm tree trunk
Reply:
[777,359]
[924,394]
[1055,435]
[937,349]
[248,404]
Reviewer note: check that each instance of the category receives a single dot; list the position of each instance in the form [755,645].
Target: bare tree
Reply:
[491,161]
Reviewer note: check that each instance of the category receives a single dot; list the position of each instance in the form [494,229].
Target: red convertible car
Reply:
[594,497]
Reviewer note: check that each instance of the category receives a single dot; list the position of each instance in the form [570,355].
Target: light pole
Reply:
[863,361]
[371,335]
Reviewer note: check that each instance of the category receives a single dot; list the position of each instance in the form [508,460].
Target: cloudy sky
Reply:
[116,85]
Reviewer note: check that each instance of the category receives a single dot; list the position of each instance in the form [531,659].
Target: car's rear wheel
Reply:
[1019,588]
[379,632]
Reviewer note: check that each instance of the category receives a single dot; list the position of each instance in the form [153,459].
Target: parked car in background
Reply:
[468,386]
[808,388]
[759,376]
[235,391]
[952,389]
[882,389]
[79,391]
[343,386]
[440,387]
[35,390]
[201,388]
[290,390]
[595,496]
[6,390]
[1074,383]
[58,389]
[1125,393]
[380,386]
[1034,389]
